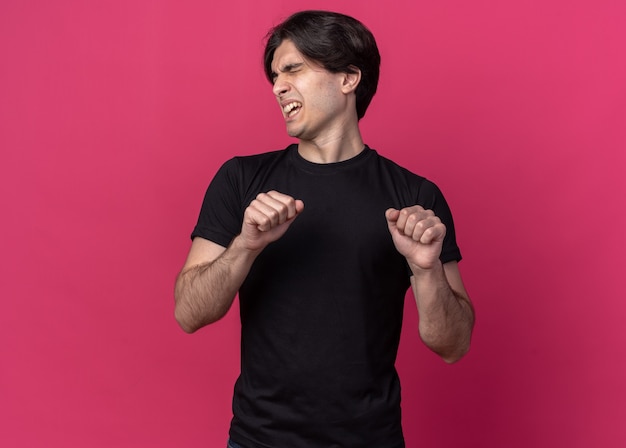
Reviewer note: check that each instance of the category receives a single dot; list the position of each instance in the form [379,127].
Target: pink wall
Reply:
[114,116]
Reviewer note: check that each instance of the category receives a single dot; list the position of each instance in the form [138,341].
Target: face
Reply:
[315,103]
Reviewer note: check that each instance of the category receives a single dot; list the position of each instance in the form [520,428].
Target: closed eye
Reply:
[292,67]
[287,68]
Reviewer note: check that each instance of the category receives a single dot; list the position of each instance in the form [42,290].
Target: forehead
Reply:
[285,54]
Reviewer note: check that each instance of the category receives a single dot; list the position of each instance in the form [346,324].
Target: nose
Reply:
[280,87]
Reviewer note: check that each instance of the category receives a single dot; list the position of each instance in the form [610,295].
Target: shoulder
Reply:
[425,190]
[261,159]
[243,167]
[398,171]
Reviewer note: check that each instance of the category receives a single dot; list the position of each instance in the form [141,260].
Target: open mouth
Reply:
[292,108]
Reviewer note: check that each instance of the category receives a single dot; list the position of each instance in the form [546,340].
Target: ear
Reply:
[350,81]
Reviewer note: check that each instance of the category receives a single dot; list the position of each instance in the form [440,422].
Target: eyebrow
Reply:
[291,67]
[287,68]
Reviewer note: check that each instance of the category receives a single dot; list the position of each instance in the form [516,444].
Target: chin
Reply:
[295,133]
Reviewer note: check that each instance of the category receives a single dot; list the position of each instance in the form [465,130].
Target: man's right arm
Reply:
[207,284]
[212,275]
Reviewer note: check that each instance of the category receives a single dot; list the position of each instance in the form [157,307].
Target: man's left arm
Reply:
[446,314]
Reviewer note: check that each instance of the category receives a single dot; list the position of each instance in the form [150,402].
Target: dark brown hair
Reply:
[337,42]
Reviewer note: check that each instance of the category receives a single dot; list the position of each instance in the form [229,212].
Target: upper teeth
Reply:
[291,106]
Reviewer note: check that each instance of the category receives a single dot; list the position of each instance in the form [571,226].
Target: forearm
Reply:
[446,317]
[205,292]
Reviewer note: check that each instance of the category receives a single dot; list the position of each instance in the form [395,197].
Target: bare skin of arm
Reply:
[212,275]
[446,314]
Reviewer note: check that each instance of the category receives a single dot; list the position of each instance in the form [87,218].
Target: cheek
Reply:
[327,96]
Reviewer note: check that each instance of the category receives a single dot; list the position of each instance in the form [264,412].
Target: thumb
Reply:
[299,206]
[391,214]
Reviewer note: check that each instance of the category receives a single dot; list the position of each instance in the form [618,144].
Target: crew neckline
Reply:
[326,168]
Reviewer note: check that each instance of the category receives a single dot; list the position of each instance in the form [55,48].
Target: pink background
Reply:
[115,115]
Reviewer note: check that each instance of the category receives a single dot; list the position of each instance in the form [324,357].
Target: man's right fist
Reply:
[268,217]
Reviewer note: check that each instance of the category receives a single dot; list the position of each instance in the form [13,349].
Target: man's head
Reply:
[337,42]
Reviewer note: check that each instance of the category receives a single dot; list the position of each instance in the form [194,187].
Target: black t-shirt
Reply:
[321,309]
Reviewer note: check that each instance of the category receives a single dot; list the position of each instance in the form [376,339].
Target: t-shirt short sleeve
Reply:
[221,214]
[430,197]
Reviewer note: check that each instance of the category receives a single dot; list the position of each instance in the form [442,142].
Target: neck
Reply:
[332,149]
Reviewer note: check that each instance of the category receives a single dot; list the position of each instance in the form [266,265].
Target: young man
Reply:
[322,240]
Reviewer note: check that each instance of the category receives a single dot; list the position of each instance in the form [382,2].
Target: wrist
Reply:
[241,246]
[420,271]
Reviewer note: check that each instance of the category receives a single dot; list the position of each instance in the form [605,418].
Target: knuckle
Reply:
[265,221]
[273,214]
